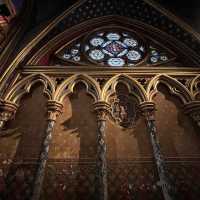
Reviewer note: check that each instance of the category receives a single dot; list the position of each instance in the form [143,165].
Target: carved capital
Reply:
[193,110]
[148,110]
[102,109]
[7,110]
[54,109]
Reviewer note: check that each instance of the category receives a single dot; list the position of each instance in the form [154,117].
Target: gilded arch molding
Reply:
[176,88]
[67,87]
[110,87]
[24,86]
[141,92]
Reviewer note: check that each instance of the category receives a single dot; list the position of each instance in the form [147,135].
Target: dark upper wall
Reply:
[188,11]
[47,9]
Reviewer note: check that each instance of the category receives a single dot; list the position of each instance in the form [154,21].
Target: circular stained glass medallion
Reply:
[74,51]
[130,42]
[96,41]
[154,59]
[133,55]
[66,56]
[113,36]
[96,54]
[116,62]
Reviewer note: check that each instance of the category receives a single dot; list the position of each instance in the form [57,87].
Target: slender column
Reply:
[148,109]
[54,109]
[7,112]
[101,109]
[193,110]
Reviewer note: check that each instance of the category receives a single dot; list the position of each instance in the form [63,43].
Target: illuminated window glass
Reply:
[115,49]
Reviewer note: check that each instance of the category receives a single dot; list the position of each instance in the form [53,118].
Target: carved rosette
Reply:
[54,110]
[7,112]
[101,109]
[193,110]
[148,110]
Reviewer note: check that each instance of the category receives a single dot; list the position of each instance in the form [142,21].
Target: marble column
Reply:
[7,112]
[148,110]
[101,109]
[193,110]
[54,109]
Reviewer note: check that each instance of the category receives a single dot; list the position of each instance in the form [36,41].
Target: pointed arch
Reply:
[24,86]
[134,87]
[176,88]
[67,87]
[171,43]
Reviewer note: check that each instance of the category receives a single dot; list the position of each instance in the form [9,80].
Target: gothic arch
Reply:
[24,86]
[96,23]
[134,87]
[176,88]
[68,85]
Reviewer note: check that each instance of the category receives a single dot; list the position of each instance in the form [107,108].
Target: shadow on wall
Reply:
[178,135]
[76,129]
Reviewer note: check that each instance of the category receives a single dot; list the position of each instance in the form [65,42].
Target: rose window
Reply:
[114,49]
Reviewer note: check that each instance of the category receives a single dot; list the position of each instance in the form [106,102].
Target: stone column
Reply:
[54,109]
[193,110]
[7,112]
[101,109]
[148,110]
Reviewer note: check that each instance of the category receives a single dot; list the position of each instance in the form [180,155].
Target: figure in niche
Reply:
[123,110]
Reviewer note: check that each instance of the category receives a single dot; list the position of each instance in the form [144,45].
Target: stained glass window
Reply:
[157,56]
[115,49]
[73,54]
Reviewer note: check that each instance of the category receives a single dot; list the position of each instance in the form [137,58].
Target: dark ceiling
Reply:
[187,10]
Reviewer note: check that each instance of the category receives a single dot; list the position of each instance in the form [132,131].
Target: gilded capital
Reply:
[148,110]
[102,109]
[54,109]
[7,110]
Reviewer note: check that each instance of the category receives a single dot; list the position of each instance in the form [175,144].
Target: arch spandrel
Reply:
[176,88]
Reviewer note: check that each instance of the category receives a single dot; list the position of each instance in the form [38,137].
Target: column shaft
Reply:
[166,186]
[42,161]
[101,159]
[101,109]
[54,109]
